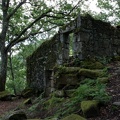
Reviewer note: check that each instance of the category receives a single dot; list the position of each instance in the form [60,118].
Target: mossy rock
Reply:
[116,58]
[103,80]
[53,101]
[27,93]
[15,115]
[73,75]
[73,117]
[65,70]
[92,64]
[70,93]
[66,79]
[65,76]
[90,108]
[27,101]
[5,95]
[90,73]
[59,93]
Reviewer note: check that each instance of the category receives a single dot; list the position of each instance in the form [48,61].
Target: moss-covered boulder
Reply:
[103,80]
[65,80]
[27,92]
[15,115]
[70,93]
[92,64]
[90,73]
[27,101]
[65,76]
[90,108]
[59,93]
[72,76]
[5,95]
[116,58]
[73,117]
[66,70]
[53,101]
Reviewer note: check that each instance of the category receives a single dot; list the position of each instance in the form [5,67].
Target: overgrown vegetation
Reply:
[89,89]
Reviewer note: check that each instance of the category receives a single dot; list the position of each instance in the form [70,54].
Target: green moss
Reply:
[53,101]
[116,58]
[4,94]
[28,92]
[92,64]
[59,93]
[27,101]
[46,57]
[73,117]
[90,108]
[70,93]
[73,75]
[63,69]
[90,73]
[66,80]
[103,80]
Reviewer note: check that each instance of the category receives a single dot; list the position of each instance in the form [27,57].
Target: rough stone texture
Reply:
[116,103]
[90,108]
[40,63]
[90,38]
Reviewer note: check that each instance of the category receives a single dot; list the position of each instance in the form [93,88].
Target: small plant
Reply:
[92,89]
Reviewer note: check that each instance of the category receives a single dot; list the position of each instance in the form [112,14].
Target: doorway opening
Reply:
[71,43]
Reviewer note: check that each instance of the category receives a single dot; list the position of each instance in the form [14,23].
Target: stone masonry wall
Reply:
[41,61]
[90,38]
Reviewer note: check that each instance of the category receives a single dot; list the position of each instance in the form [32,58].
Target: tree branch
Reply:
[16,40]
[74,7]
[15,10]
[12,43]
[67,14]
[64,14]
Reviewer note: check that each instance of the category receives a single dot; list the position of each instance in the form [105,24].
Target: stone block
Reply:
[90,108]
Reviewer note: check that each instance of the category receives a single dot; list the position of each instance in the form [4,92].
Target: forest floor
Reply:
[6,106]
[106,113]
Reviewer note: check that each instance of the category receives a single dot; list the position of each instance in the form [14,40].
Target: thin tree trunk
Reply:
[12,73]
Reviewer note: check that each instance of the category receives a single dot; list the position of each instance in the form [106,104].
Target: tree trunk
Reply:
[12,73]
[3,68]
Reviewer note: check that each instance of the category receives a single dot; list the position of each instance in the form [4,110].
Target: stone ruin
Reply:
[90,37]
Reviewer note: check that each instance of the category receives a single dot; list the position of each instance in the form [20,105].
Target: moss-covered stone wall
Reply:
[44,58]
[98,38]
[90,38]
